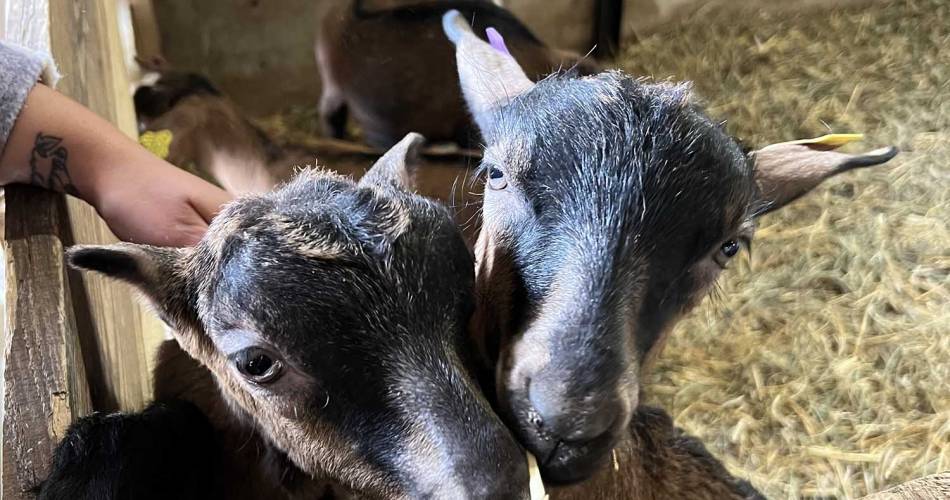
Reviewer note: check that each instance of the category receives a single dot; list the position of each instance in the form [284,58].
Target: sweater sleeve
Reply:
[20,70]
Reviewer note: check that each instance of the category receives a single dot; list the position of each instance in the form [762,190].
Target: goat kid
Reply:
[213,139]
[332,317]
[393,70]
[611,206]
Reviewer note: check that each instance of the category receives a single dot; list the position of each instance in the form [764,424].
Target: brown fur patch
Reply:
[658,462]
[310,244]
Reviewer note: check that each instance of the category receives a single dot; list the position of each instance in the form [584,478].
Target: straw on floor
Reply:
[822,366]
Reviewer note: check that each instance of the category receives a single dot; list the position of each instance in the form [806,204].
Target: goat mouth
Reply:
[546,461]
[571,461]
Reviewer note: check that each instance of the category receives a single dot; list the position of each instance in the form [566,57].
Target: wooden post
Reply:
[148,39]
[85,44]
[44,380]
[71,343]
[607,28]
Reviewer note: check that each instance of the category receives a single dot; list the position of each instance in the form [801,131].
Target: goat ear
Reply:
[489,75]
[155,271]
[788,170]
[396,167]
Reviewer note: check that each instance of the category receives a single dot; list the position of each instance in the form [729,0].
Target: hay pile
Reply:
[823,366]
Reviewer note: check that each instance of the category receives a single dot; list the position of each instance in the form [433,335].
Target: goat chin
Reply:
[657,461]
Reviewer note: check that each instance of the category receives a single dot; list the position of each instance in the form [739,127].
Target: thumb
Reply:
[209,201]
[189,235]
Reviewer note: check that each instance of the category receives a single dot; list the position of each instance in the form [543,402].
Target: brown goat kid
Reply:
[210,137]
[332,317]
[393,70]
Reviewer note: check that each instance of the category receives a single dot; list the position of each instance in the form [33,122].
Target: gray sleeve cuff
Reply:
[20,69]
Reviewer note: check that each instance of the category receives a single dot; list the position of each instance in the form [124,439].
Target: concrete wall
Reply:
[259,51]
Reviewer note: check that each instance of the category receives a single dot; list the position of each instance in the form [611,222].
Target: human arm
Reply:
[58,144]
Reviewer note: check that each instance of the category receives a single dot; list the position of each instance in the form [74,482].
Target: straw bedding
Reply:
[821,367]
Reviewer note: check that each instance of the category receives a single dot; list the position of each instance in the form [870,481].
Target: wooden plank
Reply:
[122,338]
[240,46]
[44,386]
[148,39]
[60,331]
[607,21]
[44,380]
[563,24]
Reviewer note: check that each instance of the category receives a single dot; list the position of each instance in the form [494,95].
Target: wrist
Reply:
[114,170]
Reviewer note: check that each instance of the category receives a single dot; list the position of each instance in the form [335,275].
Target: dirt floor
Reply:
[822,366]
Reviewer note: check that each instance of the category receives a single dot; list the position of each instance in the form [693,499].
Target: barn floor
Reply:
[822,367]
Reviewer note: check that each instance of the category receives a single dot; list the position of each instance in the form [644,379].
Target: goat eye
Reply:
[730,248]
[496,178]
[257,364]
[726,252]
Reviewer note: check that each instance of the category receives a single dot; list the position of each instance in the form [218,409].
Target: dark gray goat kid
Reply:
[332,317]
[611,206]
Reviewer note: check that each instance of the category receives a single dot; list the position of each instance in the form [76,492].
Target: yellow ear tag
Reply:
[830,141]
[158,142]
[535,483]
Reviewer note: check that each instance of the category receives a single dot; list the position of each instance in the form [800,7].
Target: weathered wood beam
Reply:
[148,38]
[70,345]
[119,337]
[44,382]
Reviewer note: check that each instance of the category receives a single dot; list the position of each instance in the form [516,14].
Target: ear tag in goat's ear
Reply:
[829,141]
[158,142]
[497,41]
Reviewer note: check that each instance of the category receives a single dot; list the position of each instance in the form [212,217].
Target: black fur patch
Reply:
[166,451]
[152,101]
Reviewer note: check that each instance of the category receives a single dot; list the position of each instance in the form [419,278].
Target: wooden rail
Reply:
[71,344]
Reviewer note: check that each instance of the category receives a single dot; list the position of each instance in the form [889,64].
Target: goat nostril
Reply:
[550,415]
[535,419]
[543,405]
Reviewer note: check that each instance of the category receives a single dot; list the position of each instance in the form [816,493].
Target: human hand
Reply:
[157,204]
[60,145]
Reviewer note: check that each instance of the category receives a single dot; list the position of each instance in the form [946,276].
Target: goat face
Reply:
[333,315]
[610,208]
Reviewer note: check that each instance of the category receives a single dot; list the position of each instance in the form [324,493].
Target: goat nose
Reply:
[500,472]
[572,419]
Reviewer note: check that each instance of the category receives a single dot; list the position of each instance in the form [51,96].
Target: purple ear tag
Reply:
[496,41]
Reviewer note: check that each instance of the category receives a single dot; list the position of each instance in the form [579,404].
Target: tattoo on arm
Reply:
[48,165]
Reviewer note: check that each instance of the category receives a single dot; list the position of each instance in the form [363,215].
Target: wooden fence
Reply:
[71,344]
